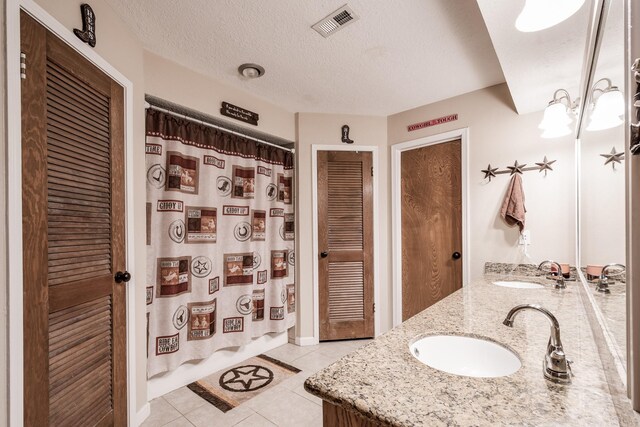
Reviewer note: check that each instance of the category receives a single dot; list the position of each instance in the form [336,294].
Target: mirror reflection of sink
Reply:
[519,285]
[465,356]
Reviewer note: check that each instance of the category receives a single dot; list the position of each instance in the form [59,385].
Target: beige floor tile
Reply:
[291,410]
[267,398]
[180,422]
[316,422]
[289,352]
[300,391]
[296,380]
[314,361]
[336,349]
[184,400]
[210,416]
[255,420]
[161,413]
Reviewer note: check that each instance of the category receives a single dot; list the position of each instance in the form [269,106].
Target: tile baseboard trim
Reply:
[142,415]
[305,341]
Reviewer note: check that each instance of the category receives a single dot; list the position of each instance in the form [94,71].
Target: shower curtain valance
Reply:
[174,128]
[220,241]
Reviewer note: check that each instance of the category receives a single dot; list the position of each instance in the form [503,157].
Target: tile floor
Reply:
[286,404]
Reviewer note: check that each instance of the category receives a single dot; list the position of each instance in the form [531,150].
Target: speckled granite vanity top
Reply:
[385,383]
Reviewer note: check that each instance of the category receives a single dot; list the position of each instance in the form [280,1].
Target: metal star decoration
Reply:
[545,165]
[613,157]
[489,172]
[516,168]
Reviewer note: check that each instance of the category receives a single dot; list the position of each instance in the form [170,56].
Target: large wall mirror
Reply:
[602,234]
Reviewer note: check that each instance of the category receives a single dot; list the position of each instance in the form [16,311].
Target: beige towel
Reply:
[513,210]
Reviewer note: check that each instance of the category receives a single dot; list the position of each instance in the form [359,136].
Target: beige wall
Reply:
[4,320]
[118,46]
[173,82]
[602,199]
[498,135]
[324,129]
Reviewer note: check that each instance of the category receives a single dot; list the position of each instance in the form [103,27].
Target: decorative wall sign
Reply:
[433,122]
[88,33]
[544,165]
[345,135]
[239,113]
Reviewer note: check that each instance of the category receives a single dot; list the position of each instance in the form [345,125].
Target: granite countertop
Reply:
[385,383]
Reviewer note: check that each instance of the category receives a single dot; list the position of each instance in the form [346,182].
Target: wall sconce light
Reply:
[608,106]
[541,14]
[558,115]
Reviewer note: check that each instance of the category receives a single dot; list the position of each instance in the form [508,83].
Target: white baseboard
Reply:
[190,372]
[304,341]
[142,415]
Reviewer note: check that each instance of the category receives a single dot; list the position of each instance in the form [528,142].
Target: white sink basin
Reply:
[519,285]
[466,356]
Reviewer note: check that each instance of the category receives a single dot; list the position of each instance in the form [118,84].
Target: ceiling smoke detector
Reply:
[335,21]
[251,71]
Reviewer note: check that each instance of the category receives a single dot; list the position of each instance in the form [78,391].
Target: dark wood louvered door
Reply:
[73,234]
[345,245]
[431,192]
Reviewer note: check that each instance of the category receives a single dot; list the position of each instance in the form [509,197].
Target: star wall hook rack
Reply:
[613,157]
[543,166]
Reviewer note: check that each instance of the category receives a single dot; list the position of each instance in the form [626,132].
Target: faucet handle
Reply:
[619,267]
[554,275]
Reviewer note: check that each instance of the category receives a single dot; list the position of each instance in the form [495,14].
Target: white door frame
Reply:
[315,148]
[14,200]
[396,208]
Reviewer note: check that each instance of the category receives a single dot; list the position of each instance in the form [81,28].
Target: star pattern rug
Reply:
[229,387]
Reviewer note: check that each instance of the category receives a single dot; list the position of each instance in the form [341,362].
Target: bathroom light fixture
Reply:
[558,115]
[608,106]
[251,71]
[541,14]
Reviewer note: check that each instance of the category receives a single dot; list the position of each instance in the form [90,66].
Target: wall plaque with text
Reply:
[238,113]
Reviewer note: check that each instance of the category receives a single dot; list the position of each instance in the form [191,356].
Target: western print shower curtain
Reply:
[220,240]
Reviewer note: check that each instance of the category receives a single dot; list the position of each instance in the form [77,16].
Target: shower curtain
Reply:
[220,240]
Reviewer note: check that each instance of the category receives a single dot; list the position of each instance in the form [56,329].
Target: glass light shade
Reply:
[608,111]
[602,123]
[555,116]
[541,14]
[557,132]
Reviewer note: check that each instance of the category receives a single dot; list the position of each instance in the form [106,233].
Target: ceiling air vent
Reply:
[335,21]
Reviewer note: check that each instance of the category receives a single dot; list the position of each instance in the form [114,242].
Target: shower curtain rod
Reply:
[184,116]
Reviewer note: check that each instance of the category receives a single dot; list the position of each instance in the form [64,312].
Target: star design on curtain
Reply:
[545,165]
[246,378]
[613,157]
[200,266]
[489,172]
[516,168]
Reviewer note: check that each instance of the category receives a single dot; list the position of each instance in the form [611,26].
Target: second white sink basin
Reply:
[466,356]
[519,285]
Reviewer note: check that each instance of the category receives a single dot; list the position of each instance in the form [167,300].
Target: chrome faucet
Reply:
[603,281]
[559,278]
[556,366]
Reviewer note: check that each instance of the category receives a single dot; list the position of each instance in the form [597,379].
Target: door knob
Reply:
[122,277]
[456,255]
[324,254]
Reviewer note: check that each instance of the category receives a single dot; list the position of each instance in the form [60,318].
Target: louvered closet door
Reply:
[345,237]
[73,230]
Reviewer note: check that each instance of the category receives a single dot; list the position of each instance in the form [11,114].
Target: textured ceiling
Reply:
[399,55]
[536,64]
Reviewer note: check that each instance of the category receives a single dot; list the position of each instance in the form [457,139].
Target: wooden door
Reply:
[345,239]
[73,237]
[431,182]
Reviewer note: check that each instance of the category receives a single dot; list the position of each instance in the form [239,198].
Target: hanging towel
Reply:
[513,210]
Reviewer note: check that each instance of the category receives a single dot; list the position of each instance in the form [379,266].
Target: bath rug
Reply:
[229,387]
